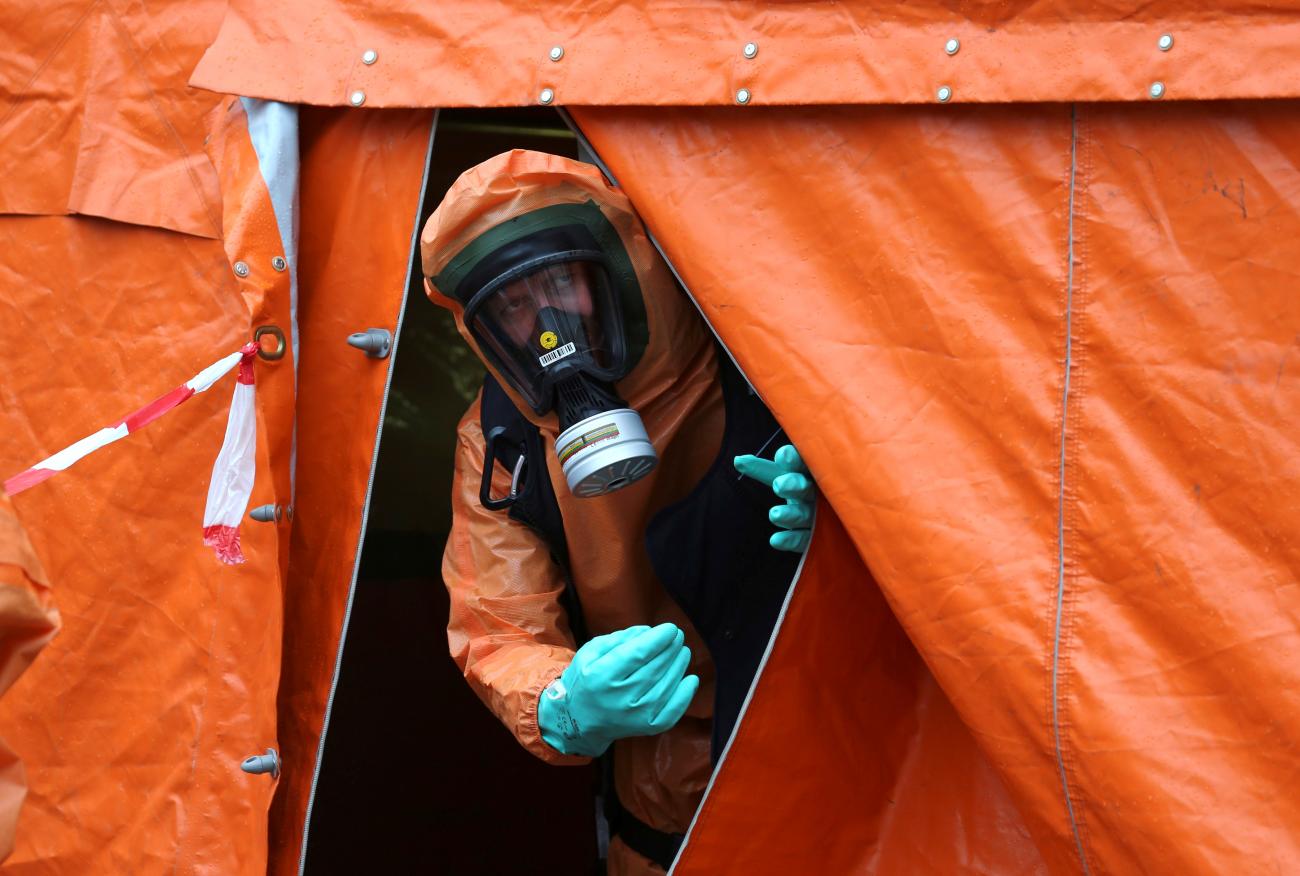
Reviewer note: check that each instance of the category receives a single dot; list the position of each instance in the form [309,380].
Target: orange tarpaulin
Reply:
[1039,357]
[1041,361]
[658,53]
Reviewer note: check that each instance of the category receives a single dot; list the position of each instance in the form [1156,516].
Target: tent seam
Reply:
[1061,488]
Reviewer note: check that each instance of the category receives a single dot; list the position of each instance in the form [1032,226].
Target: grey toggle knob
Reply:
[265,513]
[261,764]
[374,342]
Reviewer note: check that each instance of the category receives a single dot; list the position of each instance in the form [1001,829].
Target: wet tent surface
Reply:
[418,776]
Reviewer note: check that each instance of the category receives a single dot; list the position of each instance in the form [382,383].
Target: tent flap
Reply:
[1043,364]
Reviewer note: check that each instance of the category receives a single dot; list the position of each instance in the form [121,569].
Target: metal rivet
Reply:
[241,269]
[952,46]
[369,56]
[547,95]
[1166,42]
[557,52]
[357,98]
[279,263]
[944,94]
[1157,90]
[751,50]
[743,96]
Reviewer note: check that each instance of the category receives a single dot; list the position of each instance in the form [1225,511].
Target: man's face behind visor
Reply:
[565,287]
[549,323]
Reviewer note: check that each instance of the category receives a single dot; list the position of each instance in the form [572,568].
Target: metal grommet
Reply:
[546,97]
[275,332]
[952,46]
[369,56]
[743,96]
[751,50]
[1157,90]
[944,94]
[279,263]
[557,52]
[1166,42]
[357,98]
[241,269]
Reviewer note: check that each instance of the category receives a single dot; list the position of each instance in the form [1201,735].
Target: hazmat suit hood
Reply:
[666,344]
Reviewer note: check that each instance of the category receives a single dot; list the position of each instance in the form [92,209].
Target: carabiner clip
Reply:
[489,468]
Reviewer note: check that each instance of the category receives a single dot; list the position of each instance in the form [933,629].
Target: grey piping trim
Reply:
[273,128]
[365,510]
[744,708]
[1060,507]
[585,146]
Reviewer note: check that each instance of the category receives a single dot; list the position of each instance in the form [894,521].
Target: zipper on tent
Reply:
[365,510]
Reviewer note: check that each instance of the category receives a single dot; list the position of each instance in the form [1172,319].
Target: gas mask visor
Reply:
[547,320]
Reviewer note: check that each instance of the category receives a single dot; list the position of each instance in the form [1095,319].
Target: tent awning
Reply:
[659,53]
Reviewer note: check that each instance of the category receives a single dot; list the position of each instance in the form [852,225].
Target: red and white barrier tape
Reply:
[232,475]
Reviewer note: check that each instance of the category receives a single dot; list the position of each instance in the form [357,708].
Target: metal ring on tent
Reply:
[280,345]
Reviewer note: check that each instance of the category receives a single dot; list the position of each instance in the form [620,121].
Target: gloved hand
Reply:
[629,683]
[789,479]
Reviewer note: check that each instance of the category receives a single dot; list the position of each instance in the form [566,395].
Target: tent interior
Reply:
[417,774]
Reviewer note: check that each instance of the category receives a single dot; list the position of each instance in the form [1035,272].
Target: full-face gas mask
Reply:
[552,302]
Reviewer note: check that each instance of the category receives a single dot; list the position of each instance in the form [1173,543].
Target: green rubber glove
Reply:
[629,683]
[789,479]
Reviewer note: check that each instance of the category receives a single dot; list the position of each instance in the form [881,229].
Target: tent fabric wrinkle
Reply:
[96,112]
[664,53]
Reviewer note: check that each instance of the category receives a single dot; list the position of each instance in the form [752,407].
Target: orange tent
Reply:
[1032,331]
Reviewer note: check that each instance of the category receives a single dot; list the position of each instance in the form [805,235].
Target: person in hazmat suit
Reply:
[612,585]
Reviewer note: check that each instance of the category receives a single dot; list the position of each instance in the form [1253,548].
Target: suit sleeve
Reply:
[507,630]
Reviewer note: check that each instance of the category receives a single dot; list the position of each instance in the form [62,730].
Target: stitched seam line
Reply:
[1060,508]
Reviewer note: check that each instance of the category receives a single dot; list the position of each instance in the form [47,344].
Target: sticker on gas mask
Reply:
[556,355]
[582,442]
[548,340]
